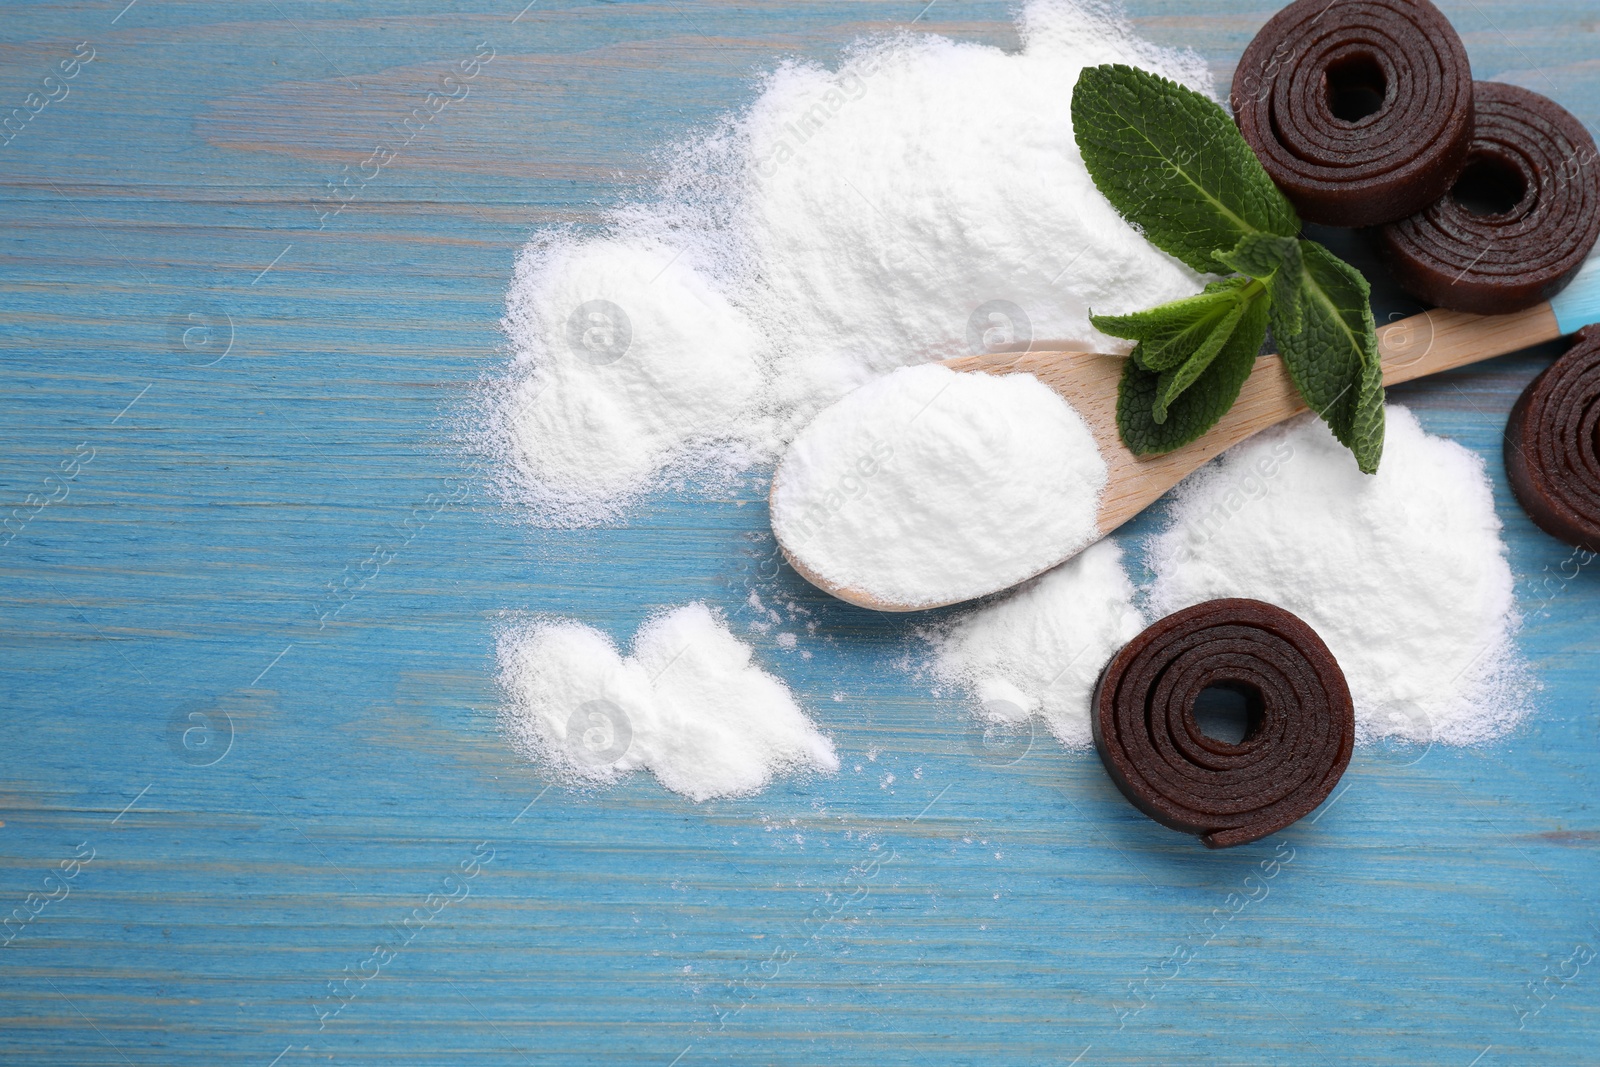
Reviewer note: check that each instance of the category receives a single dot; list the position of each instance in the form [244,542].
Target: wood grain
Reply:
[190,561]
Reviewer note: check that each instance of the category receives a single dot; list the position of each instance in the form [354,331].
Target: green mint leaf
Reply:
[1174,382]
[1261,255]
[1199,407]
[1332,353]
[1366,429]
[1173,163]
[1276,260]
[1288,299]
[1172,333]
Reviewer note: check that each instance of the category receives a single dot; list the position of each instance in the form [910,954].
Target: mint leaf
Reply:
[1278,260]
[1175,381]
[1199,407]
[1173,163]
[1261,255]
[1172,333]
[1332,353]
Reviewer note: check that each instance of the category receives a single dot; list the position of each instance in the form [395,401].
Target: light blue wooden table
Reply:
[216,807]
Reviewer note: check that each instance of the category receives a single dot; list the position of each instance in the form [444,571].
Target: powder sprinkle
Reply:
[688,704]
[1039,651]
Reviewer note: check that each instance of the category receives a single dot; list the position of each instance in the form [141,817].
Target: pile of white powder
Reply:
[1039,651]
[925,200]
[1402,573]
[929,487]
[687,704]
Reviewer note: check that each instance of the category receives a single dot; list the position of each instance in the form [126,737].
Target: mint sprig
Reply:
[1197,408]
[1173,164]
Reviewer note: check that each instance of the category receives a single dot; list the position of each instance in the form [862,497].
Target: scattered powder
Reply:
[1039,651]
[1403,574]
[687,704]
[606,398]
[930,487]
[925,200]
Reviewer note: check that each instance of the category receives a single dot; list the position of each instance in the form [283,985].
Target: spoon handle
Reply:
[1411,348]
[1439,340]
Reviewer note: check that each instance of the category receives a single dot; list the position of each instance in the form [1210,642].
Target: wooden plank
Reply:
[186,571]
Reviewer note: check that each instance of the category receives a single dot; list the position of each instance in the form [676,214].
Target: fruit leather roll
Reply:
[1552,446]
[1361,110]
[1520,220]
[1296,748]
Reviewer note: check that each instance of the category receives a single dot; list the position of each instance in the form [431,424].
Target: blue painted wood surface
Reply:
[341,788]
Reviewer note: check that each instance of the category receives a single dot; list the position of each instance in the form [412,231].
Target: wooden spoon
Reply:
[1411,348]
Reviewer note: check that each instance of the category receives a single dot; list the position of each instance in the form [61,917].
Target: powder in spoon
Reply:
[687,704]
[1402,573]
[924,200]
[929,486]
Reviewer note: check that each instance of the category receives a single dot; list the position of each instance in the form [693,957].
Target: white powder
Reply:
[1040,651]
[925,199]
[687,704]
[1403,574]
[597,418]
[930,487]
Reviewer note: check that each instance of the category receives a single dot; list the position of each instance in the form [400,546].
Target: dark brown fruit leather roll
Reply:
[1553,446]
[1297,746]
[1361,110]
[1520,220]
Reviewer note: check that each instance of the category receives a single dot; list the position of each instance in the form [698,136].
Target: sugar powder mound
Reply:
[925,180]
[1403,573]
[1039,651]
[930,487]
[624,394]
[688,704]
[925,199]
